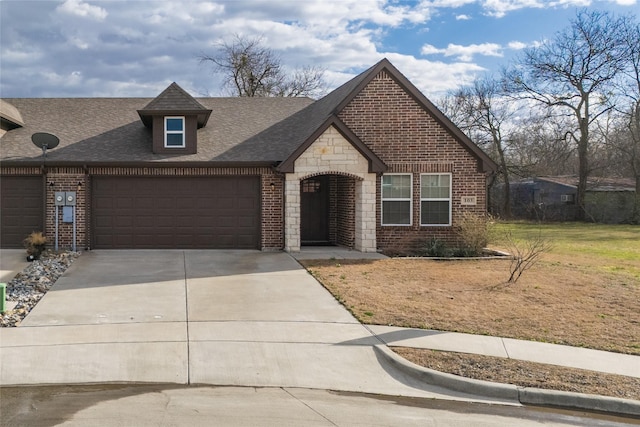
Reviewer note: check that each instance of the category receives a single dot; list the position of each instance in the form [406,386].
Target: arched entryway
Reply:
[327,210]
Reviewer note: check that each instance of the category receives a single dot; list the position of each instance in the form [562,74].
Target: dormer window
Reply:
[174,118]
[174,132]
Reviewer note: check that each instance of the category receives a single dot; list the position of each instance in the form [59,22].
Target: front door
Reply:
[314,211]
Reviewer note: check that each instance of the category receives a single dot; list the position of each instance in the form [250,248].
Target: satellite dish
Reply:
[44,140]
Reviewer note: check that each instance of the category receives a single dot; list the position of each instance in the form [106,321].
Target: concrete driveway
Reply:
[245,318]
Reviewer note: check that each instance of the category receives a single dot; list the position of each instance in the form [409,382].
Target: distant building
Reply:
[553,198]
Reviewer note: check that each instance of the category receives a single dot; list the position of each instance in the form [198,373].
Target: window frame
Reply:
[438,199]
[396,199]
[175,132]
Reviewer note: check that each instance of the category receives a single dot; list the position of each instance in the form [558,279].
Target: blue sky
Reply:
[80,48]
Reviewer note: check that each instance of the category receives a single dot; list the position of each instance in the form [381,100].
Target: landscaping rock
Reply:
[31,284]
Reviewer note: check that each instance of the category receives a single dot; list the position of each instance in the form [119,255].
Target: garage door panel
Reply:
[246,203]
[21,202]
[246,221]
[144,203]
[177,212]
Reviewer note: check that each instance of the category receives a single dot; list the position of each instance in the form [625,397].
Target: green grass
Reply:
[606,247]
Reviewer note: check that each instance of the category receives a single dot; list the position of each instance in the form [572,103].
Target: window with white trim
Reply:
[435,199]
[174,132]
[396,199]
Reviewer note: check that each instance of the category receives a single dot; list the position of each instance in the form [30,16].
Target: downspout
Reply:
[87,210]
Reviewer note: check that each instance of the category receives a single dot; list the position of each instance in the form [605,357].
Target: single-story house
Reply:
[553,198]
[372,166]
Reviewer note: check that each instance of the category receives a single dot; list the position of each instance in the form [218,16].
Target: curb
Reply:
[523,395]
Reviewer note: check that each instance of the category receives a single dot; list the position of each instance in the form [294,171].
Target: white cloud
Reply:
[435,78]
[79,8]
[429,49]
[464,53]
[463,17]
[499,8]
[516,45]
[453,4]
[137,48]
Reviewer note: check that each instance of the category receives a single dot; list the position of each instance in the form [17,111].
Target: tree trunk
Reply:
[583,164]
[636,202]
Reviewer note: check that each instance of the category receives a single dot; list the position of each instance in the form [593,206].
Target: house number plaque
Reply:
[469,200]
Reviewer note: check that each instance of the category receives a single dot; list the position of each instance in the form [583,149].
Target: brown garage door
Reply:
[21,209]
[176,212]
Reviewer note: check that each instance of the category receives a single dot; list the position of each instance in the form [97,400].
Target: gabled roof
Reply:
[375,164]
[10,115]
[302,128]
[485,163]
[174,100]
[271,131]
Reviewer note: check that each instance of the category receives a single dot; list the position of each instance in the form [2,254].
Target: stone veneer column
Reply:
[331,154]
[365,215]
[292,213]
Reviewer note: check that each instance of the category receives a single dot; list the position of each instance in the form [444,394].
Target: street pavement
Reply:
[174,405]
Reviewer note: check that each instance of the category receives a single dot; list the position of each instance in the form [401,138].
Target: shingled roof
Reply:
[10,116]
[271,131]
[174,100]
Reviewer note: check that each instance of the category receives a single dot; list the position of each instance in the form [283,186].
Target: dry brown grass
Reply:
[524,374]
[560,300]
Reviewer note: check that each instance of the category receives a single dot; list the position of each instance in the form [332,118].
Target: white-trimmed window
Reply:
[174,132]
[435,199]
[396,199]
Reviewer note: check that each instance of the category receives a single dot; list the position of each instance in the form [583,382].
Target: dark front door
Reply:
[314,211]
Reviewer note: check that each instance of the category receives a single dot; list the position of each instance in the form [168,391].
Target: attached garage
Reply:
[175,212]
[21,198]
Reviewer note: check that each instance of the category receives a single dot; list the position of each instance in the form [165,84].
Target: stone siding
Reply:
[332,154]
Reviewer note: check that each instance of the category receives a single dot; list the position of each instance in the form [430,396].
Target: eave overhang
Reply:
[375,164]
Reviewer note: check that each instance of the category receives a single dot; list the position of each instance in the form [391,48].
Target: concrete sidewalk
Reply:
[245,318]
[553,354]
[232,318]
[12,261]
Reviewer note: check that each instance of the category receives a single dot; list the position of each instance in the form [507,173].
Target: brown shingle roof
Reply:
[110,130]
[10,115]
[174,100]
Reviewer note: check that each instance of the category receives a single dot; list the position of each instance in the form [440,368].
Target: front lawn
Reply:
[584,292]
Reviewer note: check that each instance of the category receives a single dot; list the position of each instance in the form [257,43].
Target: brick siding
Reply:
[69,178]
[409,140]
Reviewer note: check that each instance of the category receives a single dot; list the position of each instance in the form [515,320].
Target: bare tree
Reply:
[630,145]
[575,72]
[483,113]
[251,69]
[538,147]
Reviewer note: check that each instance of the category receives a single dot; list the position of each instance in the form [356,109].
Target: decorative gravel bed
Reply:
[30,285]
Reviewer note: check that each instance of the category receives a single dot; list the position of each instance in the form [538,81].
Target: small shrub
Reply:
[473,233]
[436,248]
[35,244]
[526,253]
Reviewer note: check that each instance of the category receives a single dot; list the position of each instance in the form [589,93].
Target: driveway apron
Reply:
[246,318]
